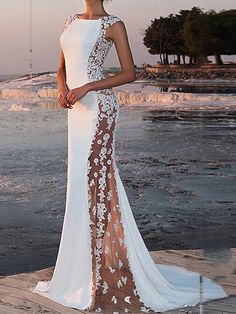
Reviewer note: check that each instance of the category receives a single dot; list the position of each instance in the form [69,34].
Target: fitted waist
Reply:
[84,67]
[82,74]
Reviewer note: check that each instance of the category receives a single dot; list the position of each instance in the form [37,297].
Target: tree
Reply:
[227,20]
[192,33]
[164,37]
[196,34]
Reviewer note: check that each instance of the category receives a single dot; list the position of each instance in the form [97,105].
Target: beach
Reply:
[176,158]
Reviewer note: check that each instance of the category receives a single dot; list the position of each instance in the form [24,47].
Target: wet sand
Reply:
[178,168]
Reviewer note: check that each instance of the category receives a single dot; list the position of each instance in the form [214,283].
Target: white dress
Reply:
[103,263]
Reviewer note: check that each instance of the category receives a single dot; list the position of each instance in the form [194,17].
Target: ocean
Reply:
[177,161]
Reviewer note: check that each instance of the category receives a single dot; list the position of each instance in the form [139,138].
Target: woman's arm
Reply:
[117,33]
[61,80]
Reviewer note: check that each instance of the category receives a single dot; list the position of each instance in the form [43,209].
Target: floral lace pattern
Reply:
[66,22]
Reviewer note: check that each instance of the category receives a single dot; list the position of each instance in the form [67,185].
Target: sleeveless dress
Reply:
[103,264]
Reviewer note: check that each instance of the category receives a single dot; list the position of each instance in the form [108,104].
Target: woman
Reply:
[103,264]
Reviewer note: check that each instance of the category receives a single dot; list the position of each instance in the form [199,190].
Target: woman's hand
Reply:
[77,93]
[62,98]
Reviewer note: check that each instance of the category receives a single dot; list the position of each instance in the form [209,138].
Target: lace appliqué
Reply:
[68,21]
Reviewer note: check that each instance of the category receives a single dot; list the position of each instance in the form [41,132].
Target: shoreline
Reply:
[182,72]
[185,73]
[24,95]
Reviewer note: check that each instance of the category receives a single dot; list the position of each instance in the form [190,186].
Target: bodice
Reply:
[85,46]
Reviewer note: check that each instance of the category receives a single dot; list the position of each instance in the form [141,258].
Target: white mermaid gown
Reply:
[103,264]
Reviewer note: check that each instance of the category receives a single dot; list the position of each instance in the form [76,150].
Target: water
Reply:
[178,168]
[176,154]
[187,86]
[4,77]
[191,88]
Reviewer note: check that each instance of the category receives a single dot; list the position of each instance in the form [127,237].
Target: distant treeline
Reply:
[193,33]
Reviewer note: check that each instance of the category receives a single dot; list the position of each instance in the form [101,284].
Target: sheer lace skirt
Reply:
[113,288]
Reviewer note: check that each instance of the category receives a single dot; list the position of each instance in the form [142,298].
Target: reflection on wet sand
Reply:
[178,169]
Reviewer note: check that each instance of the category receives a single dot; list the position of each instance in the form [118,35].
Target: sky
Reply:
[48,20]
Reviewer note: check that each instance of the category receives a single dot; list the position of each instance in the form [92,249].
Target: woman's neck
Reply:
[94,8]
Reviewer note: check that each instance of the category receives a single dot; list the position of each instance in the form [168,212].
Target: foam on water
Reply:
[23,94]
